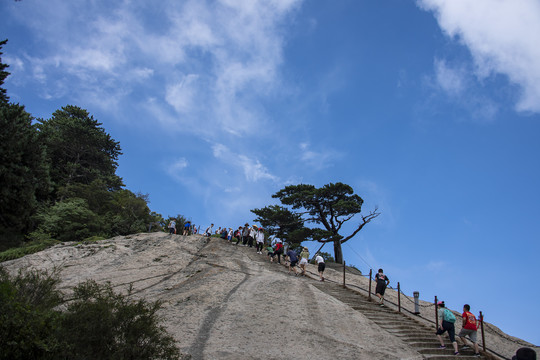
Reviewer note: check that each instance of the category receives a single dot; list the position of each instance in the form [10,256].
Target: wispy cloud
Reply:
[502,36]
[317,159]
[450,80]
[176,168]
[252,169]
[214,57]
[455,83]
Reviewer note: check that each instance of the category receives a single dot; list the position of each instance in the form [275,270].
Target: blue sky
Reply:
[429,109]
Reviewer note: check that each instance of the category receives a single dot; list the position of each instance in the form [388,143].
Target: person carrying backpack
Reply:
[446,323]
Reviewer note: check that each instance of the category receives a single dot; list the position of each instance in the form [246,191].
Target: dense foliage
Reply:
[283,223]
[96,324]
[24,179]
[58,179]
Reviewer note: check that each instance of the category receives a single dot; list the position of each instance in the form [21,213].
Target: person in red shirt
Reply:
[278,252]
[469,327]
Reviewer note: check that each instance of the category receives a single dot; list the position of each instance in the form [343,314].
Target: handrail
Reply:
[400,308]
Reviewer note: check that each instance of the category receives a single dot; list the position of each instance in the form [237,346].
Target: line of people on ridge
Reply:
[247,235]
[189,229]
[254,235]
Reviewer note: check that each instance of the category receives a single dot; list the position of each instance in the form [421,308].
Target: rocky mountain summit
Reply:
[223,301]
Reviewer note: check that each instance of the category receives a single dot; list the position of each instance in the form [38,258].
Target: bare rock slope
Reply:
[223,301]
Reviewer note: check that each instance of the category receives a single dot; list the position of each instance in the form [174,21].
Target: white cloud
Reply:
[449,79]
[459,86]
[176,167]
[502,36]
[317,159]
[211,61]
[252,169]
[182,94]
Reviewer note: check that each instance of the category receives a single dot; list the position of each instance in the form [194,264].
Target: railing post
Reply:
[436,315]
[344,273]
[369,293]
[398,297]
[482,327]
[416,295]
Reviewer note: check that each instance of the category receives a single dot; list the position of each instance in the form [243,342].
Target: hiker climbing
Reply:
[469,327]
[446,324]
[382,282]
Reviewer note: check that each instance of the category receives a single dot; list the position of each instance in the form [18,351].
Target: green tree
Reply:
[130,213]
[24,178]
[79,150]
[67,220]
[283,223]
[23,173]
[3,75]
[330,206]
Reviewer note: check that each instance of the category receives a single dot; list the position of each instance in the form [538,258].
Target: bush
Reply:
[101,324]
[27,318]
[26,249]
[68,220]
[97,324]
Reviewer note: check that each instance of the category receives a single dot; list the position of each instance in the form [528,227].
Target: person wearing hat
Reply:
[245,234]
[446,323]
[525,354]
[304,257]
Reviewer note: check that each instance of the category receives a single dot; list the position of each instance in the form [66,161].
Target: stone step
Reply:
[417,335]
[425,344]
[409,330]
[418,338]
[447,357]
[390,321]
[436,351]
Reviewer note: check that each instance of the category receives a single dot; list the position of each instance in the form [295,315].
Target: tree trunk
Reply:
[338,254]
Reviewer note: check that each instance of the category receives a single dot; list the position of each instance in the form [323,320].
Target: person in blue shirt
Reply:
[293,261]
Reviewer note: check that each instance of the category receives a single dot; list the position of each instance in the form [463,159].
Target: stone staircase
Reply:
[410,331]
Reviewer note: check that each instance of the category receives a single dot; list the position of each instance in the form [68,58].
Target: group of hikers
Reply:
[446,319]
[469,327]
[253,235]
[446,323]
[189,229]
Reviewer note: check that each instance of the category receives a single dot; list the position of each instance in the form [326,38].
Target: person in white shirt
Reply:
[251,235]
[321,265]
[208,231]
[259,237]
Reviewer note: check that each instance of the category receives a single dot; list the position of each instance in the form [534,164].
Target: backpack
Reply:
[449,316]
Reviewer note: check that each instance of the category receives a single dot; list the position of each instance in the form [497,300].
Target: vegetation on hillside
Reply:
[58,180]
[97,323]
